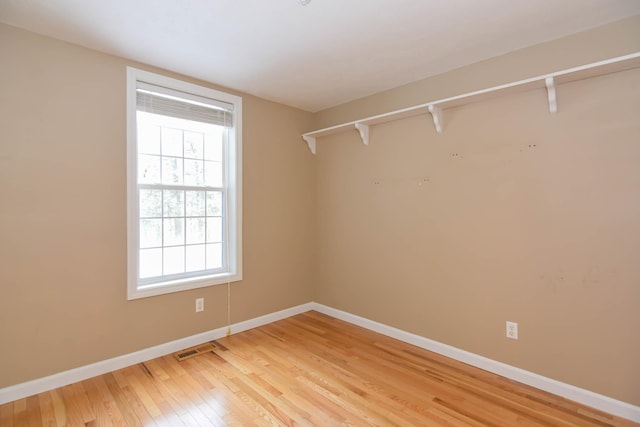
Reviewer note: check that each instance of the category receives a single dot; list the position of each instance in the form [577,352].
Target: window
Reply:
[184,193]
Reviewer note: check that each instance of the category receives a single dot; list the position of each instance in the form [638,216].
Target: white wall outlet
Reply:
[199,304]
[512,330]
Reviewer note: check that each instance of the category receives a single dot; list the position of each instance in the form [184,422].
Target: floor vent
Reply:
[195,351]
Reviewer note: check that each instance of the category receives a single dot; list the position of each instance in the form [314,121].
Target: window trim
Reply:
[234,189]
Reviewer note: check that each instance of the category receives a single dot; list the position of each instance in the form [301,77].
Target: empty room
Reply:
[320,213]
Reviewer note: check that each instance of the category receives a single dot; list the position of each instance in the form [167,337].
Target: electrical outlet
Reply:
[512,330]
[199,304]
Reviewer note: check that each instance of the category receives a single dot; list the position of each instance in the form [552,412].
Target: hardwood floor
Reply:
[307,370]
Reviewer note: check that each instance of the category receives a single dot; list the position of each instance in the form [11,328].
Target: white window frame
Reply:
[232,211]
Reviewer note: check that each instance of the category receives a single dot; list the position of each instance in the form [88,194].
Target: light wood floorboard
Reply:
[307,370]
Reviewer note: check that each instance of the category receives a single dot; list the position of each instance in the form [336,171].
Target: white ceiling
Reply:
[314,56]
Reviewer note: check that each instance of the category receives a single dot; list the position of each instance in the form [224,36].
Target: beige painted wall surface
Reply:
[609,41]
[512,213]
[63,216]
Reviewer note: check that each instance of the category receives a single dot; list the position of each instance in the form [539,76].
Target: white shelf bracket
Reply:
[364,132]
[551,94]
[436,114]
[311,142]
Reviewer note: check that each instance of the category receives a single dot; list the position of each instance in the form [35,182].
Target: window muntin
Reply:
[183,185]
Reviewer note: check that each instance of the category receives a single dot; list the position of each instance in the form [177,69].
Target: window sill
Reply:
[150,290]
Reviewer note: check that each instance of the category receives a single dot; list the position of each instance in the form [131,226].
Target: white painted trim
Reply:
[568,391]
[270,318]
[586,397]
[29,388]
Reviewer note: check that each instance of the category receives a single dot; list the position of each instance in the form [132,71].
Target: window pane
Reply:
[173,203]
[214,256]
[193,172]
[151,203]
[150,233]
[148,169]
[213,174]
[174,260]
[148,137]
[214,229]
[172,142]
[195,230]
[195,203]
[196,258]
[150,263]
[193,145]
[214,203]
[174,231]
[171,170]
[213,144]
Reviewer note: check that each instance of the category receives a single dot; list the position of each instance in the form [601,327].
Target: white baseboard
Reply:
[29,388]
[568,391]
[586,397]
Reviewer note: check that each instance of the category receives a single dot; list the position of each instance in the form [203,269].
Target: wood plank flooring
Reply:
[307,370]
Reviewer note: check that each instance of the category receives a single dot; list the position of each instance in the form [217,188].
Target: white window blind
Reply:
[167,102]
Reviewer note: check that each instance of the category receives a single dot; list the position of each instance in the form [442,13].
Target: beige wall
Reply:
[446,236]
[512,213]
[63,215]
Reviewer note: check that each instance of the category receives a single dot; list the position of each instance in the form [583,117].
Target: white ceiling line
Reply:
[328,52]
